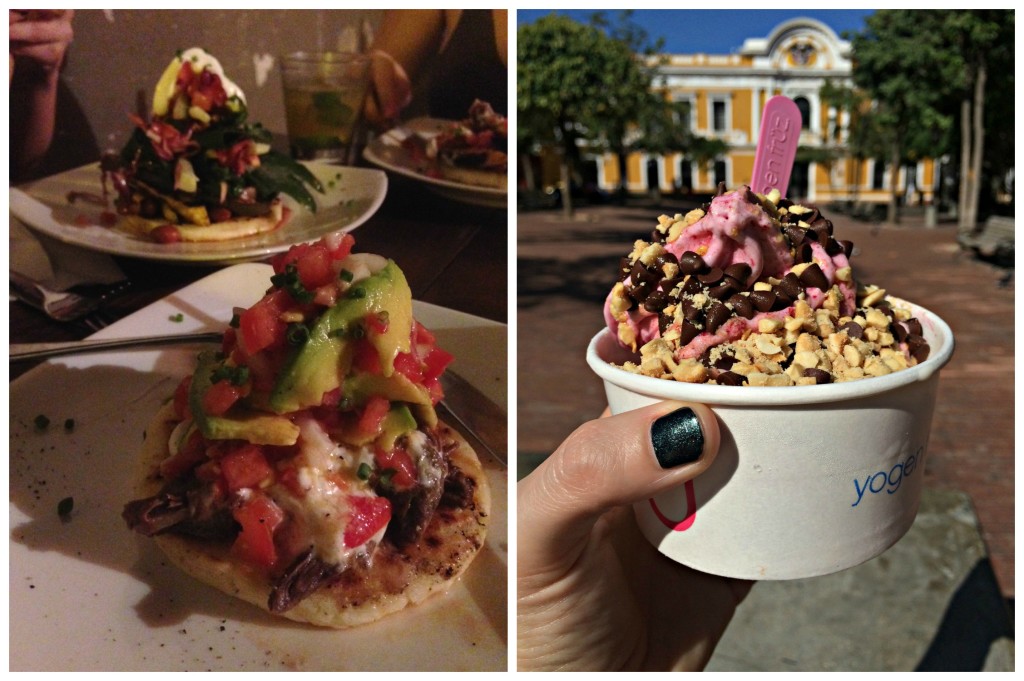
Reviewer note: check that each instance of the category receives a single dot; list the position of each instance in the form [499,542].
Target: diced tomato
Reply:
[366,358]
[220,397]
[376,323]
[181,408]
[331,398]
[208,91]
[339,245]
[245,466]
[260,326]
[373,414]
[435,363]
[289,477]
[421,335]
[312,263]
[185,77]
[398,460]
[409,366]
[259,517]
[367,515]
[434,390]
[191,453]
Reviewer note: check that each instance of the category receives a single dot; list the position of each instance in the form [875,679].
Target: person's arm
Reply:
[38,43]
[404,42]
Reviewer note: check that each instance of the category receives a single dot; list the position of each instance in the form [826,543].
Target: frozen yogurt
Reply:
[752,289]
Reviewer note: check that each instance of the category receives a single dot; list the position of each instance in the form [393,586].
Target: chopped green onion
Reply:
[236,375]
[385,477]
[179,317]
[364,471]
[357,292]
[297,334]
[290,282]
[346,275]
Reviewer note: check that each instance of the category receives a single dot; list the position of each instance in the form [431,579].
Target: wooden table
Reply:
[454,255]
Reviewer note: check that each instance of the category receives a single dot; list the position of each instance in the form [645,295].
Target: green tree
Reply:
[925,70]
[902,61]
[561,69]
[984,43]
[866,138]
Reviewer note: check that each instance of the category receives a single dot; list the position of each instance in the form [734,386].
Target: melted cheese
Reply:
[326,471]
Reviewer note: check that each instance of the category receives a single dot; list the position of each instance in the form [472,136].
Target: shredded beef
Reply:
[184,506]
[306,574]
[412,509]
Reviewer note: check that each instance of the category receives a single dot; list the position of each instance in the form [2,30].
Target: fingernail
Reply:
[677,438]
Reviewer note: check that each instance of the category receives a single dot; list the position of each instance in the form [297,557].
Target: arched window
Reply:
[805,111]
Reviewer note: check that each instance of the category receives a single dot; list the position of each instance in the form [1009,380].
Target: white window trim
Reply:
[727,100]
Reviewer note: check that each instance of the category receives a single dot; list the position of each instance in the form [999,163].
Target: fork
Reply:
[63,306]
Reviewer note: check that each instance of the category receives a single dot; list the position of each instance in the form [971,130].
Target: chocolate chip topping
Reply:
[853,329]
[690,297]
[819,375]
[691,263]
[716,314]
[739,272]
[730,378]
[763,300]
[813,277]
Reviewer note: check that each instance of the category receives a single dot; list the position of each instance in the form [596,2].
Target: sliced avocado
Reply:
[397,422]
[241,423]
[164,89]
[396,388]
[324,358]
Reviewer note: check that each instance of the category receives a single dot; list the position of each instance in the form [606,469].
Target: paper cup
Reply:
[809,480]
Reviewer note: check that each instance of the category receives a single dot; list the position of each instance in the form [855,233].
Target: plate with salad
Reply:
[198,181]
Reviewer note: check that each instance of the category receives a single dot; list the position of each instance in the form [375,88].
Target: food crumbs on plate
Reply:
[179,317]
[42,422]
[64,507]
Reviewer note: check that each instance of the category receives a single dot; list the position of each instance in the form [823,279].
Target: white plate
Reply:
[351,197]
[386,151]
[87,594]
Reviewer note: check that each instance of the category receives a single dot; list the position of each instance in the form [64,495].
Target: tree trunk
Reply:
[978,142]
[528,177]
[893,216]
[963,226]
[621,154]
[568,160]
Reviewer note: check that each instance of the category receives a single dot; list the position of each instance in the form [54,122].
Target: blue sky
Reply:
[715,31]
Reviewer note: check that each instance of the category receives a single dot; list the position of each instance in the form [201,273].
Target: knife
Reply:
[485,421]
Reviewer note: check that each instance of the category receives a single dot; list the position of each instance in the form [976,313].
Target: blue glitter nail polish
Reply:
[677,438]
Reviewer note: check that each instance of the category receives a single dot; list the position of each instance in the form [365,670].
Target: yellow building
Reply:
[727,93]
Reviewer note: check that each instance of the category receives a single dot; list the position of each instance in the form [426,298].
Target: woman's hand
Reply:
[390,91]
[593,594]
[40,38]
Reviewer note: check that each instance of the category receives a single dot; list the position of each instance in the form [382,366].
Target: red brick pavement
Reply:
[565,267]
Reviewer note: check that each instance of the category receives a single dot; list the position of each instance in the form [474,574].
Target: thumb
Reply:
[606,463]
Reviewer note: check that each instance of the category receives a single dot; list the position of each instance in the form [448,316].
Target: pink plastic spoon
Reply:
[776,147]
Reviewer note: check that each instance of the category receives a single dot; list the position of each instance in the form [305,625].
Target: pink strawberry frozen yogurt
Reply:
[724,294]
